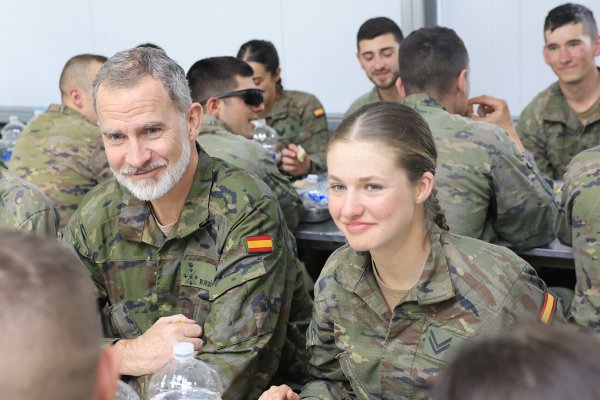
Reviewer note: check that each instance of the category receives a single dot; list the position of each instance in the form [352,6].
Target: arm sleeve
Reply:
[314,121]
[531,132]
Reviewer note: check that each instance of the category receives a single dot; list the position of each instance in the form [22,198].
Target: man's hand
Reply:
[146,354]
[292,161]
[282,392]
[495,111]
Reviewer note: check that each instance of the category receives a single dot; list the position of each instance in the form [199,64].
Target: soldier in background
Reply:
[578,225]
[564,119]
[396,303]
[377,41]
[61,151]
[488,184]
[231,100]
[298,117]
[182,246]
[50,331]
[24,207]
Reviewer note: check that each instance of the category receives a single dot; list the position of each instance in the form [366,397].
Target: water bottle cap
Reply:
[13,119]
[183,349]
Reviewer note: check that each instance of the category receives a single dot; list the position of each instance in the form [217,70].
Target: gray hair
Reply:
[129,67]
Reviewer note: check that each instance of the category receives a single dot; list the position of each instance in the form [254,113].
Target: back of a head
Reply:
[378,26]
[77,73]
[431,59]
[129,67]
[570,13]
[260,51]
[50,328]
[213,76]
[530,363]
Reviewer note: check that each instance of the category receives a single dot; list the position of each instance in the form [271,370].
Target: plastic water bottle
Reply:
[10,134]
[125,392]
[185,377]
[265,135]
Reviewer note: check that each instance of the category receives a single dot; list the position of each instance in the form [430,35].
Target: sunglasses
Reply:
[252,97]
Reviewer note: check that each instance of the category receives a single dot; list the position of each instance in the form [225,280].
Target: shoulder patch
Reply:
[259,244]
[318,112]
[548,308]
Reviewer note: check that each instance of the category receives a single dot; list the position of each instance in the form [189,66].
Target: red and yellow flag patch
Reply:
[318,112]
[259,244]
[548,308]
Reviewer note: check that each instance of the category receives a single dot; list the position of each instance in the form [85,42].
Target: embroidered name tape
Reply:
[259,244]
[548,308]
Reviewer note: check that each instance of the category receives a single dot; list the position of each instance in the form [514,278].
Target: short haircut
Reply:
[570,13]
[431,60]
[150,45]
[378,26]
[76,73]
[213,76]
[128,67]
[50,327]
[530,362]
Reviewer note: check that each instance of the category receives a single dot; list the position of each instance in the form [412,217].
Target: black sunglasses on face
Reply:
[252,97]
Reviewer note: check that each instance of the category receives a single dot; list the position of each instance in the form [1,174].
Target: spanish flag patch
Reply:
[318,112]
[259,244]
[548,308]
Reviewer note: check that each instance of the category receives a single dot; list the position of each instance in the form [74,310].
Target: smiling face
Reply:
[571,53]
[371,199]
[267,82]
[236,113]
[379,58]
[147,140]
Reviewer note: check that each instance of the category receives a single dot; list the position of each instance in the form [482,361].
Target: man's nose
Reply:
[138,154]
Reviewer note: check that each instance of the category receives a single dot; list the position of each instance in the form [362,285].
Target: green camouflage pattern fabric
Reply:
[552,132]
[218,141]
[489,189]
[61,153]
[24,207]
[253,307]
[293,117]
[578,225]
[360,349]
[369,97]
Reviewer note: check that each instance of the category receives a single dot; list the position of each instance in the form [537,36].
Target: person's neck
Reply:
[168,208]
[401,267]
[583,94]
[389,94]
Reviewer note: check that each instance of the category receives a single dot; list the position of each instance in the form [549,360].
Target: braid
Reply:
[439,215]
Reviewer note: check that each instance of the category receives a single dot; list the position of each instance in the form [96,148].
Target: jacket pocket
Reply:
[348,370]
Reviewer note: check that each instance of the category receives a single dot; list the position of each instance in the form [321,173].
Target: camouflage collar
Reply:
[63,109]
[419,100]
[434,286]
[558,109]
[374,95]
[212,124]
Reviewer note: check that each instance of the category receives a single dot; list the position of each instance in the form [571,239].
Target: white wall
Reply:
[316,39]
[505,40]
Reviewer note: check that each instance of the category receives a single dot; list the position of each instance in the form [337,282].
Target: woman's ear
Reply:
[424,187]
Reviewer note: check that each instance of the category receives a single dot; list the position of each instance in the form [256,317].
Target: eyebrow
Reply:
[363,179]
[141,128]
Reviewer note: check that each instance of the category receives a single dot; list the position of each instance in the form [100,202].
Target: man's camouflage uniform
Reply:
[551,130]
[218,141]
[361,349]
[250,301]
[299,118]
[489,190]
[578,225]
[61,153]
[24,207]
[370,97]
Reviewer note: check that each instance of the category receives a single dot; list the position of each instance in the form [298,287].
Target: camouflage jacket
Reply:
[61,153]
[216,139]
[489,190]
[369,97]
[24,207]
[229,264]
[299,118]
[551,130]
[361,349]
[578,225]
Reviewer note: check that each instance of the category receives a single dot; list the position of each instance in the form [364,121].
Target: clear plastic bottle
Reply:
[265,135]
[125,392]
[10,134]
[185,377]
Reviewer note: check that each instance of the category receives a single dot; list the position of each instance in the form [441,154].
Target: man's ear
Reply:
[76,98]
[596,44]
[107,375]
[400,88]
[424,187]
[546,55]
[462,80]
[213,107]
[194,119]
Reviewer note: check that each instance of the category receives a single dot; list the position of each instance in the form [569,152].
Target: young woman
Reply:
[394,305]
[298,117]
